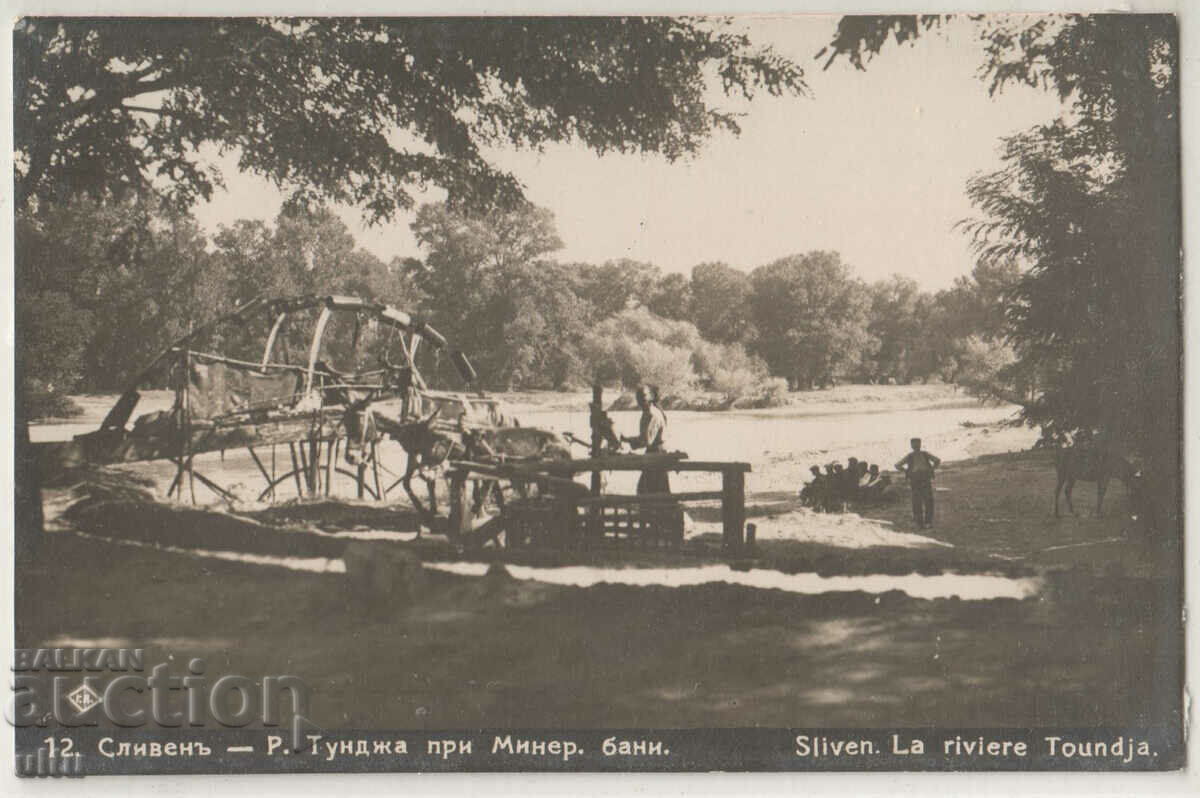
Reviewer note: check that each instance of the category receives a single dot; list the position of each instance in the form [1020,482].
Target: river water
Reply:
[780,444]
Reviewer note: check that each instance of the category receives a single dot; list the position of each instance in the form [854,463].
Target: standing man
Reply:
[650,437]
[918,467]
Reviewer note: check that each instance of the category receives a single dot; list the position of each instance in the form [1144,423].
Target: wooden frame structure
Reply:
[311,409]
[571,513]
[575,499]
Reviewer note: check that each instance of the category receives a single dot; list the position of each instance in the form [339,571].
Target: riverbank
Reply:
[1075,642]
[839,399]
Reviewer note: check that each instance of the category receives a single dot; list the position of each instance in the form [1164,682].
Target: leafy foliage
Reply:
[720,302]
[1090,203]
[98,285]
[895,327]
[810,316]
[616,285]
[103,286]
[671,297]
[636,346]
[359,111]
[859,38]
[489,289]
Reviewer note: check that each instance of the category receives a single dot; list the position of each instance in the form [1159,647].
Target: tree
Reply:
[894,324]
[1091,203]
[306,252]
[351,111]
[671,297]
[617,285]
[360,110]
[720,297]
[811,317]
[993,281]
[102,286]
[950,330]
[490,290]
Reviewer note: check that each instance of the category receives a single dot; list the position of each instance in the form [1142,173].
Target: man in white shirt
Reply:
[650,437]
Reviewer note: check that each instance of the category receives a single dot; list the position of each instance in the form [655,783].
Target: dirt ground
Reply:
[1096,643]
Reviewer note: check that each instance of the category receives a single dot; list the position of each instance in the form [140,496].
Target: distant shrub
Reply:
[667,367]
[770,392]
[635,347]
[983,368]
[774,392]
[728,369]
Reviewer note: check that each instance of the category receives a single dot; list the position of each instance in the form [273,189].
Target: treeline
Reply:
[101,287]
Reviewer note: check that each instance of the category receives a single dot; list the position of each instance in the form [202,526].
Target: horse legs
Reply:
[1067,493]
[1057,490]
[431,485]
[484,490]
[1101,486]
[406,481]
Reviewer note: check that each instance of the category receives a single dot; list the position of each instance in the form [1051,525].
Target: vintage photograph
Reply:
[592,393]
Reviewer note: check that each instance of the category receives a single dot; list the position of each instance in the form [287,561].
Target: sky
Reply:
[873,164]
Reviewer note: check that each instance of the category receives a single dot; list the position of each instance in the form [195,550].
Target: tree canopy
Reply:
[1090,204]
[811,317]
[103,285]
[361,111]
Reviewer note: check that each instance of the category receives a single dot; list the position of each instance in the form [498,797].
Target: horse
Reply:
[1088,464]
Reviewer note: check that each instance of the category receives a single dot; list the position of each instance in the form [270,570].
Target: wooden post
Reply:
[594,527]
[314,466]
[296,467]
[733,509]
[375,470]
[187,427]
[460,506]
[330,454]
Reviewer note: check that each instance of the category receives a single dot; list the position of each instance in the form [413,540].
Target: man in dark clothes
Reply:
[878,484]
[918,467]
[837,489]
[829,495]
[810,494]
[850,480]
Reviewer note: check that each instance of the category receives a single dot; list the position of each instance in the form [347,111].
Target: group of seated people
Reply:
[856,482]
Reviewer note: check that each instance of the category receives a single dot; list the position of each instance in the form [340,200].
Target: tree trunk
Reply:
[28,522]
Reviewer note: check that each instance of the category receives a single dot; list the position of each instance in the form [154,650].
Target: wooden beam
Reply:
[613,462]
[466,468]
[717,466]
[615,500]
[628,462]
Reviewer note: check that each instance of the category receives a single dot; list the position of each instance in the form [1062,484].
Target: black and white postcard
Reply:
[792,392]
